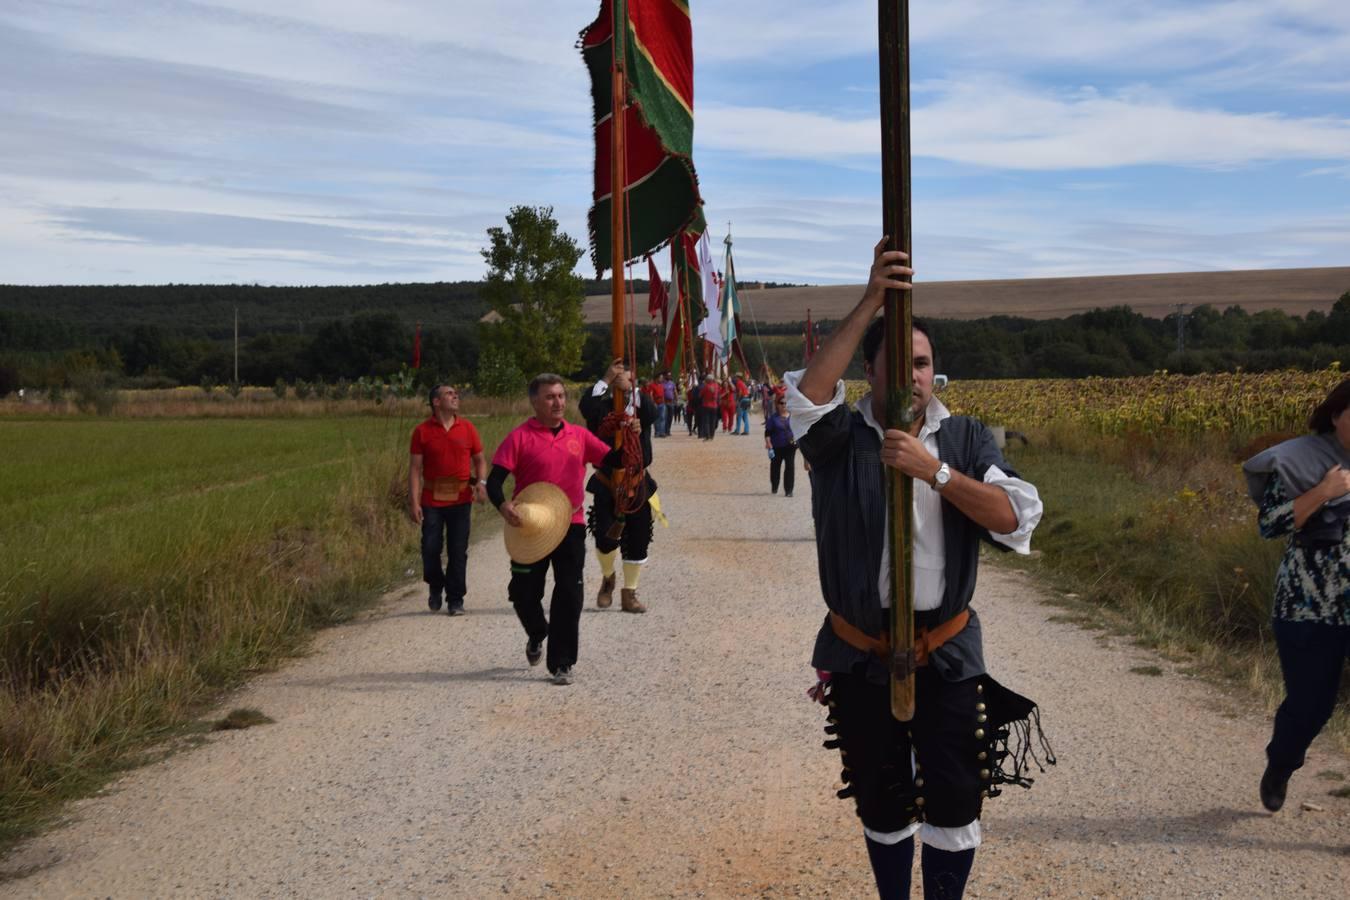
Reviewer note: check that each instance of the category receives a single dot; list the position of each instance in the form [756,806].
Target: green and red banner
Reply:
[661,188]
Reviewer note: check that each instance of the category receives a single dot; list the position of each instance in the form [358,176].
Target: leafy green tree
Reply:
[531,286]
[498,374]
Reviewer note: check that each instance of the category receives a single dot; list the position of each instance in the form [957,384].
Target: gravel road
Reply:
[417,755]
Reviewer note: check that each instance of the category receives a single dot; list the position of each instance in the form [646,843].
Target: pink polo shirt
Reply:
[531,452]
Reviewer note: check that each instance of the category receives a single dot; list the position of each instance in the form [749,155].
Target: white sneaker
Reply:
[563,675]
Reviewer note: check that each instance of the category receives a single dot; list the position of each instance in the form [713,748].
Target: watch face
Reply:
[944,475]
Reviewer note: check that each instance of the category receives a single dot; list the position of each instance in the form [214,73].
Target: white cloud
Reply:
[995,125]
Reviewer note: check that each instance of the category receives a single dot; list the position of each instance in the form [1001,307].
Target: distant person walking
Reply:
[709,400]
[673,408]
[446,470]
[547,448]
[782,448]
[1302,488]
[728,407]
[743,402]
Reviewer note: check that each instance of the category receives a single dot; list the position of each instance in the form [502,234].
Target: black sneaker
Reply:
[434,601]
[534,651]
[563,675]
[455,609]
[1273,787]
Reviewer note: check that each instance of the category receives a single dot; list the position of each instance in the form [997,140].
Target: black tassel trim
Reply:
[831,744]
[1015,744]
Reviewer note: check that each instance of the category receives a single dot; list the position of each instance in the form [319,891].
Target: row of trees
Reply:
[183,334]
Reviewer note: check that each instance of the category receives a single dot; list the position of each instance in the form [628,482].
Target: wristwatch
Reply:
[943,476]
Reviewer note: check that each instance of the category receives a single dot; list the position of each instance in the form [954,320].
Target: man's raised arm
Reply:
[828,364]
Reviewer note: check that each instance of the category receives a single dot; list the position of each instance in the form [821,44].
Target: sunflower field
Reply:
[1235,403]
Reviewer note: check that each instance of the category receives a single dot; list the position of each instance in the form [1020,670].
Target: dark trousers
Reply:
[784,459]
[707,422]
[875,750]
[1312,657]
[637,528]
[446,526]
[526,591]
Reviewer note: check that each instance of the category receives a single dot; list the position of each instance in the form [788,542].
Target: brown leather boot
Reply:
[605,598]
[628,601]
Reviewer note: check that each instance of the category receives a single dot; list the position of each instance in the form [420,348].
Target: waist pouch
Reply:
[446,489]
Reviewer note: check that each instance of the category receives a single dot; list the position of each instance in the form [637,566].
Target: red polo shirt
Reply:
[532,452]
[446,453]
[709,395]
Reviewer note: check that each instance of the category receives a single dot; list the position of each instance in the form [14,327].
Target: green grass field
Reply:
[146,565]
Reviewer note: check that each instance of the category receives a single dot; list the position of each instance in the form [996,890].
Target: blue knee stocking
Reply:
[945,872]
[891,864]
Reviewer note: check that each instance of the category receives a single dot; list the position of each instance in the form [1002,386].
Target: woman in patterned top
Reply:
[1306,496]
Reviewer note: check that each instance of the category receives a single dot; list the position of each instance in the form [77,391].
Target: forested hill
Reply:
[207,310]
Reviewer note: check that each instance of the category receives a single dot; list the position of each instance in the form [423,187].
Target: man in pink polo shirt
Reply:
[548,448]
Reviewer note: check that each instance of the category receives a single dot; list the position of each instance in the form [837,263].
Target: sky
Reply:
[371,141]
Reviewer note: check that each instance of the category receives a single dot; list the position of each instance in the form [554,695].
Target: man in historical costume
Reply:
[929,775]
[445,474]
[628,530]
[548,448]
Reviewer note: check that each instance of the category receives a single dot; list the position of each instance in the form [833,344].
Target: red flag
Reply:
[417,347]
[656,292]
[661,190]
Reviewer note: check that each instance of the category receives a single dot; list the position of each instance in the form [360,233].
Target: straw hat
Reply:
[545,515]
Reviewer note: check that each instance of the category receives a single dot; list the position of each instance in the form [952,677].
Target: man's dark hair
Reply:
[872,338]
[439,386]
[543,378]
[1320,421]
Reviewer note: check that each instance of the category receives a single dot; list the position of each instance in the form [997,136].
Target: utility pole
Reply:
[236,343]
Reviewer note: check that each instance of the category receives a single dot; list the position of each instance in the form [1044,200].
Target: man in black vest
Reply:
[595,405]
[929,775]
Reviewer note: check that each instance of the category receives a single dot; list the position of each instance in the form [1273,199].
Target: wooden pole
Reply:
[893,23]
[617,160]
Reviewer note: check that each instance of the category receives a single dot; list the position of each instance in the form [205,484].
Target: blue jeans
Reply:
[663,420]
[742,419]
[441,526]
[1312,656]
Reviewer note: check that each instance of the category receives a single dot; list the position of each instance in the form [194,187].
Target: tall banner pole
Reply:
[893,22]
[617,206]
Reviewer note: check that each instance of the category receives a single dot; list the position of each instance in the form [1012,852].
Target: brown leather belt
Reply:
[926,640]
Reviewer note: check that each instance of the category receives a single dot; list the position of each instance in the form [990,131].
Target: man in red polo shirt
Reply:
[441,491]
[548,448]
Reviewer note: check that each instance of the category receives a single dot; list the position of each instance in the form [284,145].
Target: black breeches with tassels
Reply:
[938,767]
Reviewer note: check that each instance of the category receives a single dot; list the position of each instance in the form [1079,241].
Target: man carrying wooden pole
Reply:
[925,734]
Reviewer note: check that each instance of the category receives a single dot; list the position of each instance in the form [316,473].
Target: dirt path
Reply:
[417,755]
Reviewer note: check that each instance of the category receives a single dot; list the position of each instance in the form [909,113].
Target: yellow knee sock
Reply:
[631,571]
[607,562]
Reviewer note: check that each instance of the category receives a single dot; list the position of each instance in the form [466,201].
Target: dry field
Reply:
[1295,291]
